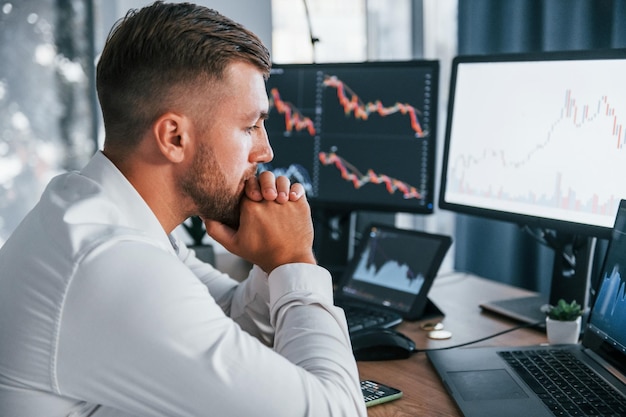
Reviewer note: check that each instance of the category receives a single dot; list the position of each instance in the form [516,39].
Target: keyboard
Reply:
[360,318]
[565,384]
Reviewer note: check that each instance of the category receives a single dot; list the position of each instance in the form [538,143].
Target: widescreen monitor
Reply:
[358,136]
[539,140]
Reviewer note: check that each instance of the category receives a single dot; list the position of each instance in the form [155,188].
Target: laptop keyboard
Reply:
[360,318]
[566,385]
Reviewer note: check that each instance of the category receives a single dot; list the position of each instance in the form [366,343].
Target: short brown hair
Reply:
[160,47]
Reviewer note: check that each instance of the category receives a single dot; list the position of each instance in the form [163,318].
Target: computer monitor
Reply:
[358,136]
[538,140]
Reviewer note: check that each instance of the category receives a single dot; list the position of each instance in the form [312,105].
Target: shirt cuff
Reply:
[300,281]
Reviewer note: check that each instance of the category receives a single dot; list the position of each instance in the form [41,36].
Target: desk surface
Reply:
[458,296]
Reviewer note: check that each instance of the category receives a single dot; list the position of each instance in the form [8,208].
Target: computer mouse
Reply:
[381,345]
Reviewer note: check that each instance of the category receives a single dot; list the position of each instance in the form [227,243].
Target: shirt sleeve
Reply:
[141,334]
[246,302]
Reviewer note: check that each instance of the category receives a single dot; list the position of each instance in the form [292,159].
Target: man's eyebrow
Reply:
[257,115]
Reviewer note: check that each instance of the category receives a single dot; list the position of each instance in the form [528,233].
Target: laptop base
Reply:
[524,309]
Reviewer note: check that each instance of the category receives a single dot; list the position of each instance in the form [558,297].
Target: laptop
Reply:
[388,278]
[511,382]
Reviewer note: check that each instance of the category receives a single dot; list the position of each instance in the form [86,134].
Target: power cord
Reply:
[521,326]
[314,39]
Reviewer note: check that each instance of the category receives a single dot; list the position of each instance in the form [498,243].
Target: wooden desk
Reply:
[458,296]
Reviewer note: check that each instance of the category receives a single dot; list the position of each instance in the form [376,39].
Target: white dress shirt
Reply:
[103,314]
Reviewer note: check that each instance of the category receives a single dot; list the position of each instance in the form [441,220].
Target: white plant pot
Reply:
[562,332]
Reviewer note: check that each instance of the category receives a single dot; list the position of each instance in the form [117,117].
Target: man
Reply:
[103,312]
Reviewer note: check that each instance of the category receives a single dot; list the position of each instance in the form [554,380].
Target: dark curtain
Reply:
[498,250]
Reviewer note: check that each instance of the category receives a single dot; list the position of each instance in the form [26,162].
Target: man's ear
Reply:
[172,134]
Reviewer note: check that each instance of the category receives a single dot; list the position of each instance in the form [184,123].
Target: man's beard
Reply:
[205,184]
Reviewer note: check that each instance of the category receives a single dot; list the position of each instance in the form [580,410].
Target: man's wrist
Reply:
[305,258]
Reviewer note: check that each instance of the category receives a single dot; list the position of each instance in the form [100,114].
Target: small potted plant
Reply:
[563,322]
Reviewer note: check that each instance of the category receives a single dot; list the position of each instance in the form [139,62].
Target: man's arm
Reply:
[139,333]
[246,302]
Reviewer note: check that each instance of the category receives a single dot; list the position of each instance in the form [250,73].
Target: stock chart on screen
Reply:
[539,138]
[360,135]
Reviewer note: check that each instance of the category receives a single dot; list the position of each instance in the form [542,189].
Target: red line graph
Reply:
[604,125]
[351,103]
[293,118]
[358,180]
[604,107]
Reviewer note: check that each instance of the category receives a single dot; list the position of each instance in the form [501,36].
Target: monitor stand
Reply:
[431,311]
[332,239]
[570,281]
[337,232]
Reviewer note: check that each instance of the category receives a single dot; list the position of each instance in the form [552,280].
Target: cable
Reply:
[314,40]
[538,235]
[521,326]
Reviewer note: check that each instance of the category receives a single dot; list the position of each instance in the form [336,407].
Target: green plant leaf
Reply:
[564,311]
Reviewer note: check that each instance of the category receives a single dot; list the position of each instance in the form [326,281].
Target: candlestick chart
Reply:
[352,174]
[522,161]
[293,118]
[353,105]
[356,134]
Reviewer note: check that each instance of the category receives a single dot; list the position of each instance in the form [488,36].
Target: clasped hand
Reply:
[275,225]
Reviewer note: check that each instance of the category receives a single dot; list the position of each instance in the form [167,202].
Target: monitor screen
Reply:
[608,318]
[358,136]
[394,268]
[538,139]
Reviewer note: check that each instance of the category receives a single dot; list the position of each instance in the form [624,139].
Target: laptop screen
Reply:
[608,318]
[394,267]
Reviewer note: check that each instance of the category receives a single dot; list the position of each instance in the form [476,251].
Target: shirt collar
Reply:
[135,212]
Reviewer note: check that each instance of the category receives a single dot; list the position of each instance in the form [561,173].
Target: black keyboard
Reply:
[360,318]
[566,385]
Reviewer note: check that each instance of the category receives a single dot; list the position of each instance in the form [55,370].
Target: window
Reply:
[46,102]
[309,31]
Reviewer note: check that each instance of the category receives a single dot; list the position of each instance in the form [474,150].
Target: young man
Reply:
[103,312]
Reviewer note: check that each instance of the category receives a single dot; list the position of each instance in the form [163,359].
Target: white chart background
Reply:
[540,138]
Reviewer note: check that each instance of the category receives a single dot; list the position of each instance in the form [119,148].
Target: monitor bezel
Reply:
[546,223]
[415,309]
[318,203]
